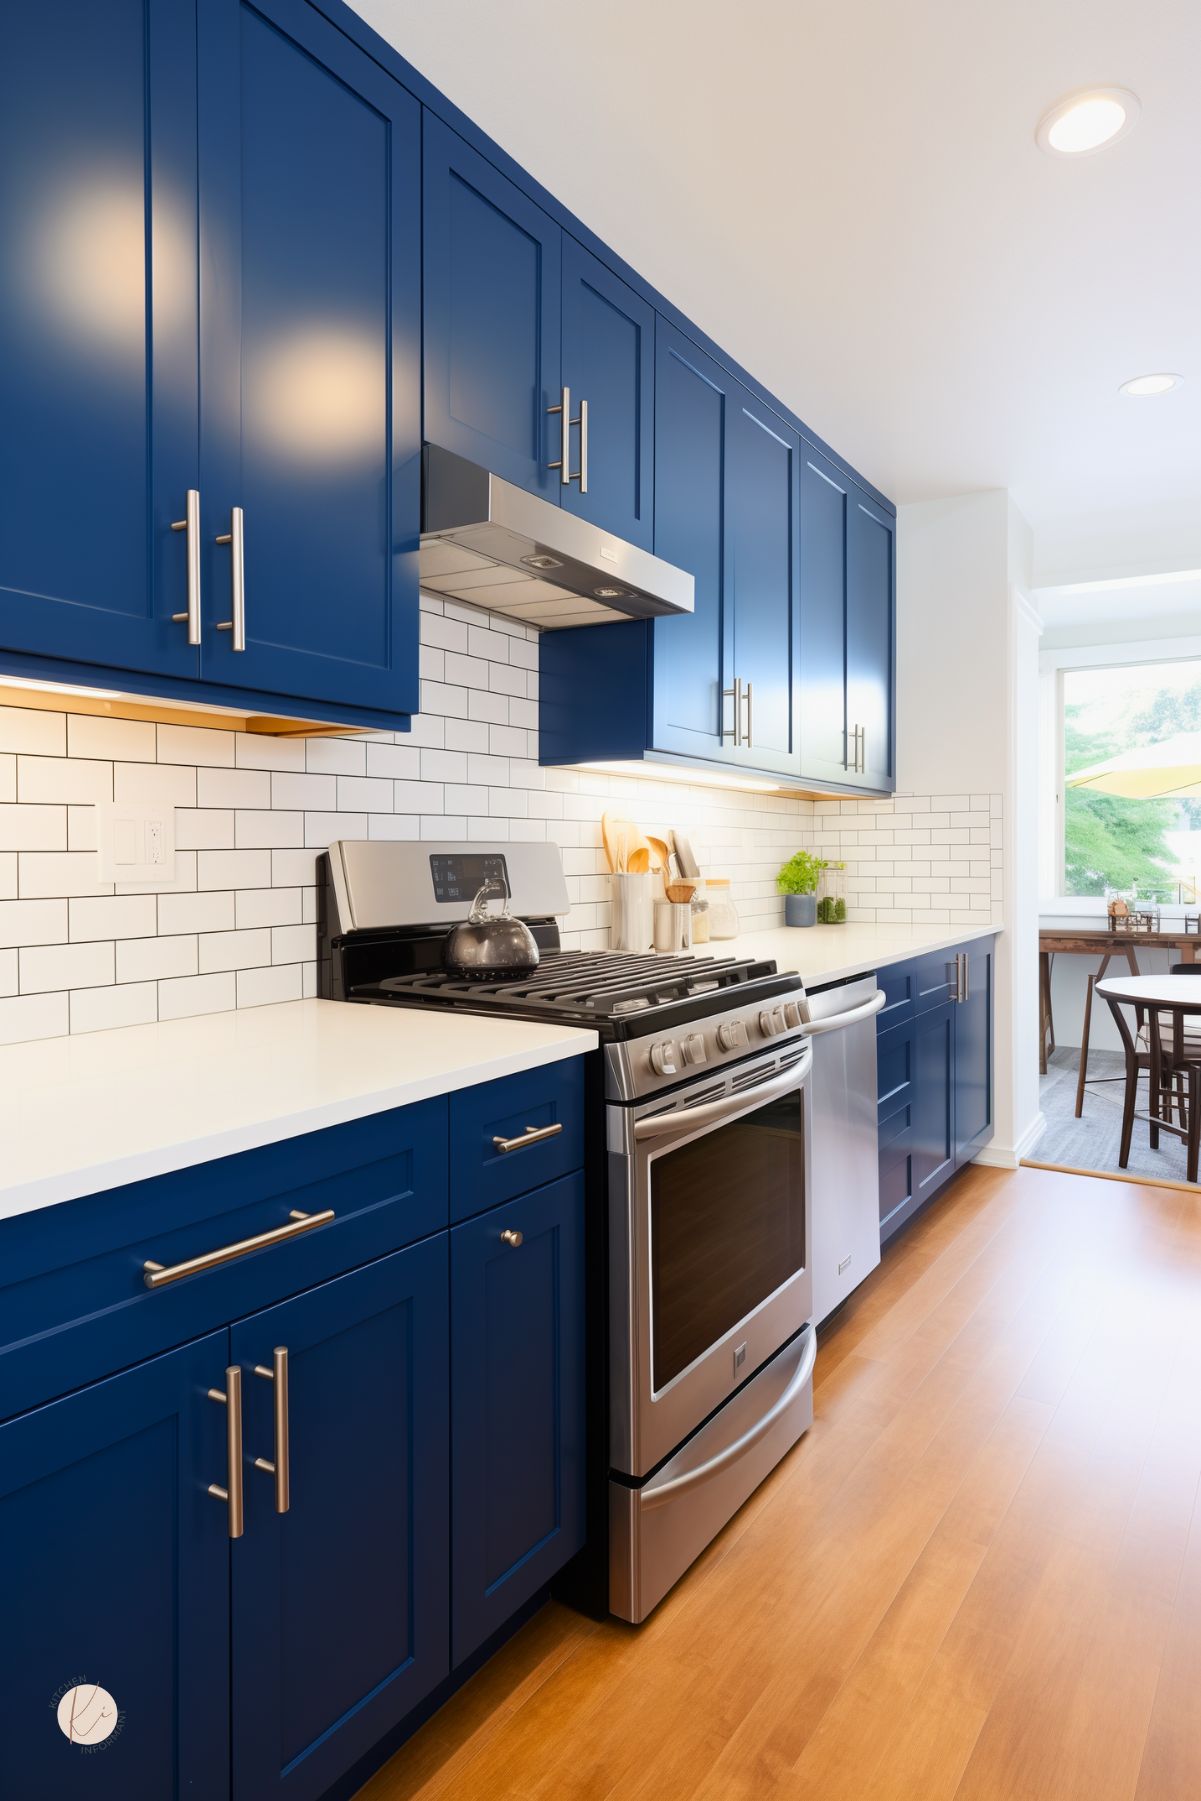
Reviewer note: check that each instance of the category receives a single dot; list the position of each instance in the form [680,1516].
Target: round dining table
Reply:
[1173,1051]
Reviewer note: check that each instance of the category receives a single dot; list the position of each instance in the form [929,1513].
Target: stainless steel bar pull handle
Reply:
[563,462]
[155,1275]
[190,523]
[531,1135]
[230,1397]
[863,750]
[750,688]
[235,537]
[281,1466]
[734,694]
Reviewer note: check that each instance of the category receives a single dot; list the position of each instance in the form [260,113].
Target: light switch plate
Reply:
[136,843]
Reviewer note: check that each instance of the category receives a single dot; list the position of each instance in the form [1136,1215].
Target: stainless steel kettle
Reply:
[488,947]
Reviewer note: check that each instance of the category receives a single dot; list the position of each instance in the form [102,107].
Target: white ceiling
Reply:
[850,199]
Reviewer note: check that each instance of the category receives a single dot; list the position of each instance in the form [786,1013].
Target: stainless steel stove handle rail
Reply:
[656,1125]
[840,1020]
[654,1496]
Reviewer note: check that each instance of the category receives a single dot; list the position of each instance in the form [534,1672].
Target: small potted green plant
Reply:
[797,882]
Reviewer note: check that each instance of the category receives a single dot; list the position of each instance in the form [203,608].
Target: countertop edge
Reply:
[863,966]
[167,1159]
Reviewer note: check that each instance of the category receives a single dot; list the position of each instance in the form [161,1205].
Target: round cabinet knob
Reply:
[731,1035]
[769,1025]
[693,1048]
[512,1237]
[792,1014]
[663,1057]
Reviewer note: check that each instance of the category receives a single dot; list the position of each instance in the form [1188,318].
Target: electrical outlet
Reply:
[136,843]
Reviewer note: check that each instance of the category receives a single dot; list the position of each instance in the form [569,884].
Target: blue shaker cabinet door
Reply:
[871,584]
[340,1620]
[825,501]
[114,1588]
[517,1445]
[762,504]
[493,303]
[609,367]
[98,388]
[310,357]
[691,653]
[933,1099]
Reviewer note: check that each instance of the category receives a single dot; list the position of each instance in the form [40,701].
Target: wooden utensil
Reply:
[660,855]
[615,832]
[681,892]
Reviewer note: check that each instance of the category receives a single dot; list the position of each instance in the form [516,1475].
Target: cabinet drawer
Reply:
[900,988]
[511,1112]
[74,1304]
[934,979]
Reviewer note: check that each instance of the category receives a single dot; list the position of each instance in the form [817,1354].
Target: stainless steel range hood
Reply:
[492,544]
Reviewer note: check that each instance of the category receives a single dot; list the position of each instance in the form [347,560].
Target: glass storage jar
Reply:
[700,912]
[832,895]
[723,914]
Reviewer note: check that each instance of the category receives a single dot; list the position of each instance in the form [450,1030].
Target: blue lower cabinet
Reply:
[340,1619]
[934,1061]
[517,1444]
[114,1588]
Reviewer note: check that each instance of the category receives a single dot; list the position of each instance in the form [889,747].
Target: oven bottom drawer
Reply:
[657,1530]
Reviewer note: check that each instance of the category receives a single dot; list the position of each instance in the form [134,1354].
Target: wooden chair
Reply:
[1119,950]
[1170,1057]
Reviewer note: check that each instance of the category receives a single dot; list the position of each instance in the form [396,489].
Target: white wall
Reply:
[967,685]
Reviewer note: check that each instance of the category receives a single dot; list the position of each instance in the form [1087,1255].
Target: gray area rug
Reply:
[1092,1142]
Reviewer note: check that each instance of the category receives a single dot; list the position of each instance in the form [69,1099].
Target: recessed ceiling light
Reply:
[1088,120]
[1142,386]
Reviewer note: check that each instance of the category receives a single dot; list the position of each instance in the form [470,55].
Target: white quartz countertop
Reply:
[79,1115]
[831,953]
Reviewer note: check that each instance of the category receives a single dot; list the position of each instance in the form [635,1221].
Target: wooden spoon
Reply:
[615,832]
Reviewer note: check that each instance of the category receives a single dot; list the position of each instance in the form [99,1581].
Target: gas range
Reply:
[386,909]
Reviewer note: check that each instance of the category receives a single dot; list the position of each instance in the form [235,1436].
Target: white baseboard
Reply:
[1008,1156]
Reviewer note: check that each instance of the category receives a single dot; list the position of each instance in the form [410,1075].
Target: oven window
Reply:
[727,1229]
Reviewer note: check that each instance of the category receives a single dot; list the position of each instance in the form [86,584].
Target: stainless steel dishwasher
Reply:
[845,1167]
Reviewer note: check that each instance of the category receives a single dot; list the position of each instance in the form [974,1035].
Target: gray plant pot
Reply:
[800,909]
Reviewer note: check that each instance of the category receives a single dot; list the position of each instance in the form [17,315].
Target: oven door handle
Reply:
[713,1466]
[840,1020]
[656,1125]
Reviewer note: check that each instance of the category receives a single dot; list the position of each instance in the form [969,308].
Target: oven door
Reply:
[709,1247]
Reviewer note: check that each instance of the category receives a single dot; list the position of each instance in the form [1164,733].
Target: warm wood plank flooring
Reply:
[978,1576]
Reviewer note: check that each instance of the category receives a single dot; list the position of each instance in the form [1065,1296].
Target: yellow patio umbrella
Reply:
[1170,770]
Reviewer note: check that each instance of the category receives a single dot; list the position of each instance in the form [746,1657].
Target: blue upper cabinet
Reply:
[826,752]
[98,388]
[493,309]
[871,654]
[847,630]
[690,653]
[340,1612]
[761,507]
[609,372]
[310,357]
[114,1587]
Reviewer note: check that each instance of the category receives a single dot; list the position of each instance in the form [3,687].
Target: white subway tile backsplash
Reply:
[149,959]
[237,924]
[34,1016]
[100,1009]
[32,828]
[234,950]
[28,730]
[129,740]
[233,869]
[195,912]
[189,995]
[50,966]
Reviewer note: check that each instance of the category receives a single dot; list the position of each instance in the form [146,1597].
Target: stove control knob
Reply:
[731,1035]
[663,1057]
[769,1024]
[792,1014]
[693,1048]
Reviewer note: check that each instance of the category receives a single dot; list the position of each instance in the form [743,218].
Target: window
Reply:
[1147,848]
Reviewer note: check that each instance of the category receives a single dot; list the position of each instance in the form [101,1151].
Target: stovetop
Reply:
[618,995]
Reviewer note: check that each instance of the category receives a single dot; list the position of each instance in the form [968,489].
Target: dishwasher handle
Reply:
[867,1011]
